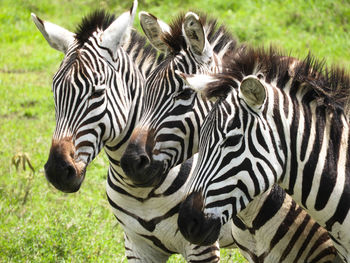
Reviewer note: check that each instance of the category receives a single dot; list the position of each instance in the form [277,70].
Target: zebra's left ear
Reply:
[154,30]
[195,37]
[114,35]
[252,91]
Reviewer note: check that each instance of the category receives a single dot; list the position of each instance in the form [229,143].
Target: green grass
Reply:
[41,224]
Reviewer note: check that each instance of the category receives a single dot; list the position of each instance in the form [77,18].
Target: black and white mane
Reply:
[330,86]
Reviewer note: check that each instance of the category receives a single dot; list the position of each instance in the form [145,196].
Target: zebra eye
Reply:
[260,76]
[97,93]
[97,78]
[231,141]
[184,94]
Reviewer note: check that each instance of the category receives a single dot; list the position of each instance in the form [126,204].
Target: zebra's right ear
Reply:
[58,37]
[116,33]
[154,29]
[193,30]
[202,84]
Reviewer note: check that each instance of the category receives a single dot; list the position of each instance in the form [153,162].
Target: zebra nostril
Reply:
[193,226]
[143,162]
[70,174]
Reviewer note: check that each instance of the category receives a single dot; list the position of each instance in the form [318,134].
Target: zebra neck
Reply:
[124,107]
[317,168]
[122,126]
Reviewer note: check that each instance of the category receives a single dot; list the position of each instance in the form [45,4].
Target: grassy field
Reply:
[41,224]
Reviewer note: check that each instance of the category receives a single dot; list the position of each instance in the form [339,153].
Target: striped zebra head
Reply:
[222,182]
[82,88]
[172,113]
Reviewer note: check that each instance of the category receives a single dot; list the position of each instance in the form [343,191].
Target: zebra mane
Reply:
[330,86]
[99,19]
[217,35]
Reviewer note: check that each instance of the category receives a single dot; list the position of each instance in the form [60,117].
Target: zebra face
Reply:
[81,104]
[224,177]
[82,88]
[169,126]
[220,143]
[143,161]
[81,122]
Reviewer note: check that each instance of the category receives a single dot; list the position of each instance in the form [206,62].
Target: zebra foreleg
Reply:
[138,251]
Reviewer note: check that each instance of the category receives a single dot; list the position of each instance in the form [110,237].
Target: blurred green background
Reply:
[41,224]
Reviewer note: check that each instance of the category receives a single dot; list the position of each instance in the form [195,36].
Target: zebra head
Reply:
[239,157]
[82,87]
[172,112]
[221,180]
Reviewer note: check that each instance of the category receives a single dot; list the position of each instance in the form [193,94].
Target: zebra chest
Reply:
[147,221]
[143,208]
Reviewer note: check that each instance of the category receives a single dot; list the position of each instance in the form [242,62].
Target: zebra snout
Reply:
[61,170]
[197,227]
[134,161]
[137,162]
[137,165]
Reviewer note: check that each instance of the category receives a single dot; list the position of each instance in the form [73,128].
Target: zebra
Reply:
[98,90]
[274,127]
[168,134]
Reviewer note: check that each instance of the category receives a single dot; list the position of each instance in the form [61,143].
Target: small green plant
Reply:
[22,160]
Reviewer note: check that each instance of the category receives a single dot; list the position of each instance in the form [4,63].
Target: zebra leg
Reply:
[195,253]
[138,251]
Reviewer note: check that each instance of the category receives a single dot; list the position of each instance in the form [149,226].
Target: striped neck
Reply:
[315,141]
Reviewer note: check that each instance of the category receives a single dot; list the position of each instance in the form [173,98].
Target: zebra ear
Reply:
[195,37]
[114,35]
[58,37]
[200,83]
[154,28]
[252,91]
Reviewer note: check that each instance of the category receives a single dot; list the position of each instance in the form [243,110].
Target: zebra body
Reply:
[172,116]
[98,92]
[276,127]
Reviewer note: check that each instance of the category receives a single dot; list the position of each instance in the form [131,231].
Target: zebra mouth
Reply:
[62,170]
[196,226]
[140,168]
[67,179]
